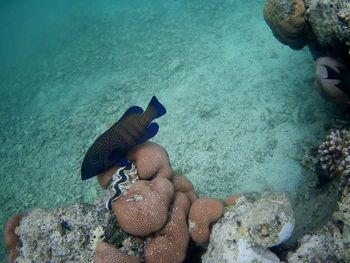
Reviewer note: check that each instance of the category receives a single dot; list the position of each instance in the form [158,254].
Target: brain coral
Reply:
[151,160]
[106,253]
[169,245]
[144,208]
[204,212]
[286,18]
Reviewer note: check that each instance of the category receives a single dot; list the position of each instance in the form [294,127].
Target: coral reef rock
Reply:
[329,21]
[333,154]
[248,228]
[324,24]
[286,18]
[66,234]
[332,242]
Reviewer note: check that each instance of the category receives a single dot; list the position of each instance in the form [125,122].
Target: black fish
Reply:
[133,128]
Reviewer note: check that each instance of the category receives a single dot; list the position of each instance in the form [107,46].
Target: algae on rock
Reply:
[249,228]
[67,234]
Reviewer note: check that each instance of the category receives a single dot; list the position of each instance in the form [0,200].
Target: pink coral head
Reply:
[144,208]
[151,160]
[203,213]
[182,184]
[106,253]
[11,238]
[330,80]
[169,245]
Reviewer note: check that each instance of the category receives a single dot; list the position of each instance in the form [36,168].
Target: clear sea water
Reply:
[242,109]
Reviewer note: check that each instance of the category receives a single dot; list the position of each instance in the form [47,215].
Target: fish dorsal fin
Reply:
[132,110]
[331,73]
[151,131]
[157,106]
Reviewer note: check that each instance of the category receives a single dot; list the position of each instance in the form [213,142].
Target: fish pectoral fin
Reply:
[113,157]
[151,131]
[123,162]
[132,110]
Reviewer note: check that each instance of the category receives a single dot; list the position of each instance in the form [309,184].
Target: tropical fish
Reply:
[332,79]
[110,148]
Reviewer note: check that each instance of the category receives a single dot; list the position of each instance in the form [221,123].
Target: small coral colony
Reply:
[160,206]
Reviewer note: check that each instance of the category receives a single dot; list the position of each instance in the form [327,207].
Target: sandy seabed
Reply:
[241,106]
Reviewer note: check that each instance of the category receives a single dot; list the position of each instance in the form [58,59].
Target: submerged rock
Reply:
[67,234]
[329,21]
[249,228]
[332,242]
[324,25]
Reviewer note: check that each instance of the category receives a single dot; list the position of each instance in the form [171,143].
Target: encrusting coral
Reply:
[203,213]
[333,154]
[286,18]
[107,253]
[12,238]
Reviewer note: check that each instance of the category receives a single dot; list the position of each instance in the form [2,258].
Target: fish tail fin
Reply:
[156,107]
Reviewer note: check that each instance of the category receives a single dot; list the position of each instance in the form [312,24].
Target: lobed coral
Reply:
[157,206]
[144,208]
[203,213]
[182,184]
[286,18]
[170,244]
[151,160]
[333,154]
[106,253]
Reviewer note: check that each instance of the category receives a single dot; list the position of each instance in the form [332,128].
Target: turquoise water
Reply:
[241,106]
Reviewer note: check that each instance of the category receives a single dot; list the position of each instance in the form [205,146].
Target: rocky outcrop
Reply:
[249,228]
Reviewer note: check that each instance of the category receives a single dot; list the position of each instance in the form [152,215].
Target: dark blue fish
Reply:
[133,128]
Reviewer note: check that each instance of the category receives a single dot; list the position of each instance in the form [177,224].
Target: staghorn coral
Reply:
[106,253]
[203,213]
[286,18]
[169,245]
[333,154]
[144,208]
